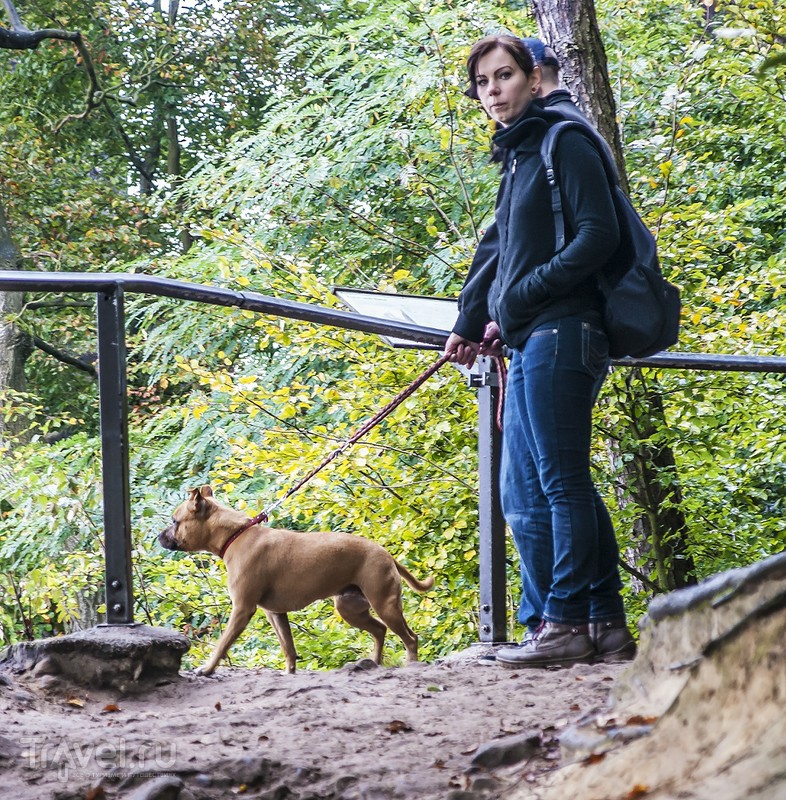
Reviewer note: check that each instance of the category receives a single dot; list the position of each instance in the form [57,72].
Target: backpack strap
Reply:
[547,148]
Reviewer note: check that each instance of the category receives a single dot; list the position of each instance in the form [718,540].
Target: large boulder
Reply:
[699,714]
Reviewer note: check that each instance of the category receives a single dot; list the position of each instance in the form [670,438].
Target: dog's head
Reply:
[191,529]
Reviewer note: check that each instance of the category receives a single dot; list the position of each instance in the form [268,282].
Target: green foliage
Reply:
[356,159]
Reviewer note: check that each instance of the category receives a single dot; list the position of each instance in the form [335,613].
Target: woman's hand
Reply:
[461,351]
[492,343]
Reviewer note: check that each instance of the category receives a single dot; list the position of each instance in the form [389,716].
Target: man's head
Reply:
[547,60]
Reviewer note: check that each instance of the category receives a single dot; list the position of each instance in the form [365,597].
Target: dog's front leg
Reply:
[280,623]
[238,619]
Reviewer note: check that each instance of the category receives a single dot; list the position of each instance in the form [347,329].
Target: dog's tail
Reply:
[418,586]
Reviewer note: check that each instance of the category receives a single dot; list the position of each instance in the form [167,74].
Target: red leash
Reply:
[502,373]
[375,420]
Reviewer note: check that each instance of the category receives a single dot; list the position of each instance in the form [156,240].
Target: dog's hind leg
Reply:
[353,607]
[238,619]
[280,623]
[387,604]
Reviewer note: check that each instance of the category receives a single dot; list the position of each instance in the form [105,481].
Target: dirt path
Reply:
[358,733]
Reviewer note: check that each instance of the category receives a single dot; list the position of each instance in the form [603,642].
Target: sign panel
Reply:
[428,312]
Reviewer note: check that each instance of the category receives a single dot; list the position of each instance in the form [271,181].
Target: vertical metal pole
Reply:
[493,611]
[114,456]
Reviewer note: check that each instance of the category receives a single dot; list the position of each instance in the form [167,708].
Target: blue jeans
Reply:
[561,527]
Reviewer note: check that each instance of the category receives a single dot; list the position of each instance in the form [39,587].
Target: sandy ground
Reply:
[358,733]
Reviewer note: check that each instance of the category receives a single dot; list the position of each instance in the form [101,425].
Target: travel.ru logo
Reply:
[94,760]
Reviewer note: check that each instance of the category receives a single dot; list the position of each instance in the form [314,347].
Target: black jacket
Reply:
[516,278]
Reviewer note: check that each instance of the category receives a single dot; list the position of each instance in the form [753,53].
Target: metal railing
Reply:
[110,290]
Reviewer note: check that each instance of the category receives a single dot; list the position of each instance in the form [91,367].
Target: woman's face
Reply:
[504,89]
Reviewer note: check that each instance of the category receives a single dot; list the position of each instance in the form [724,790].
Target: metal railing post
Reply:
[491,549]
[113,402]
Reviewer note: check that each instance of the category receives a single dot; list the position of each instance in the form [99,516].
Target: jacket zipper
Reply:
[500,268]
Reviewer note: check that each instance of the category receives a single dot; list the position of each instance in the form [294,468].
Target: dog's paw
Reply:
[205,670]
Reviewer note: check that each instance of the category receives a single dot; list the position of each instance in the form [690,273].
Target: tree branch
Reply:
[66,358]
[653,587]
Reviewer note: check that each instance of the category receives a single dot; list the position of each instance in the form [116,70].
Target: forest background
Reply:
[286,148]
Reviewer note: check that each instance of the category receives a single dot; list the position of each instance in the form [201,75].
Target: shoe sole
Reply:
[625,654]
[560,662]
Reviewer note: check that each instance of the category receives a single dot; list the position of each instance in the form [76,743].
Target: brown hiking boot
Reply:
[554,645]
[612,640]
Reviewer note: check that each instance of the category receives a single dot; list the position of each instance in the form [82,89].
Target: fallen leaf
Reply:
[575,707]
[111,708]
[637,791]
[435,688]
[397,726]
[218,705]
[594,758]
[242,789]
[263,738]
[75,701]
[469,751]
[438,763]
[638,719]
[96,793]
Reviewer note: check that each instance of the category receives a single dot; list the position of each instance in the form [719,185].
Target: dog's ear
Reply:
[197,498]
[194,500]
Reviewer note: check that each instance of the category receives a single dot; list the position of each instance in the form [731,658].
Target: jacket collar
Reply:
[526,132]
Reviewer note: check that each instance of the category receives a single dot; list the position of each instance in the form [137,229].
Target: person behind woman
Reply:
[546,307]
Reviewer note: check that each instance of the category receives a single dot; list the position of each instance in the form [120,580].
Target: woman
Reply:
[547,308]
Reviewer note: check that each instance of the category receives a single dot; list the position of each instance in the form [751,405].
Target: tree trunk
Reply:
[14,345]
[175,173]
[571,28]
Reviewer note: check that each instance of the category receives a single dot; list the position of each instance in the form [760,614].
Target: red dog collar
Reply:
[261,517]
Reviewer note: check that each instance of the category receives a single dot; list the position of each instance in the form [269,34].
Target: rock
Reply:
[166,787]
[345,782]
[125,657]
[483,783]
[700,708]
[510,750]
[364,665]
[50,682]
[9,749]
[46,666]
[251,770]
[578,743]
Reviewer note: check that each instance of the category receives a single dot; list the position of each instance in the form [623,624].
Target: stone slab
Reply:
[124,657]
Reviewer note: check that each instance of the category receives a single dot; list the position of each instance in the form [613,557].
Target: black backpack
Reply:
[642,309]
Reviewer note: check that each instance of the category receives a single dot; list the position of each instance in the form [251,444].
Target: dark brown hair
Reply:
[520,53]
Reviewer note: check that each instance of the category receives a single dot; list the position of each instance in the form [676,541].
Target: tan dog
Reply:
[280,571]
